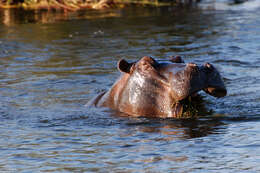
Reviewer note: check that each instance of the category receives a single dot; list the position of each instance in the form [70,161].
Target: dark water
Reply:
[51,64]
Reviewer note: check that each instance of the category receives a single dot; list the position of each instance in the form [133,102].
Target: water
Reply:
[53,63]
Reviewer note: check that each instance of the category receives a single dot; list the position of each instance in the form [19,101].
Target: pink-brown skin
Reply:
[151,88]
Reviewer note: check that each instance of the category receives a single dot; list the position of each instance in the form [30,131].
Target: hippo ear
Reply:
[124,66]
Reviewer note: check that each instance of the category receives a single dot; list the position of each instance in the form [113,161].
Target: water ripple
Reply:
[49,71]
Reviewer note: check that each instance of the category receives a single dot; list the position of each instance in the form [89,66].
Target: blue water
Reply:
[51,64]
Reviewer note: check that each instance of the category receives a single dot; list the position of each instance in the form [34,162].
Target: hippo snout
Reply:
[214,85]
[194,78]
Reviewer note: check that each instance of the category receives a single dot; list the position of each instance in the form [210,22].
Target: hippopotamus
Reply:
[159,88]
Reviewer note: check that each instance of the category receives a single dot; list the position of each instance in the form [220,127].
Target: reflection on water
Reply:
[174,129]
[13,16]
[52,63]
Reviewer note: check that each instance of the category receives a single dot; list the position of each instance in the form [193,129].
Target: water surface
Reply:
[51,64]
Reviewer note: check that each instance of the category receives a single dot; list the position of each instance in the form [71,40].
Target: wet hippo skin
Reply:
[153,88]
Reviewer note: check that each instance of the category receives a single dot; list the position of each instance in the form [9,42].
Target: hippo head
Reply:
[162,87]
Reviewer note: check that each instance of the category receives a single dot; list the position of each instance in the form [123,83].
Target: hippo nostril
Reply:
[209,67]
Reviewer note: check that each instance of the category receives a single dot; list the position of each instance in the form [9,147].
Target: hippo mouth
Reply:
[193,104]
[188,107]
[216,92]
